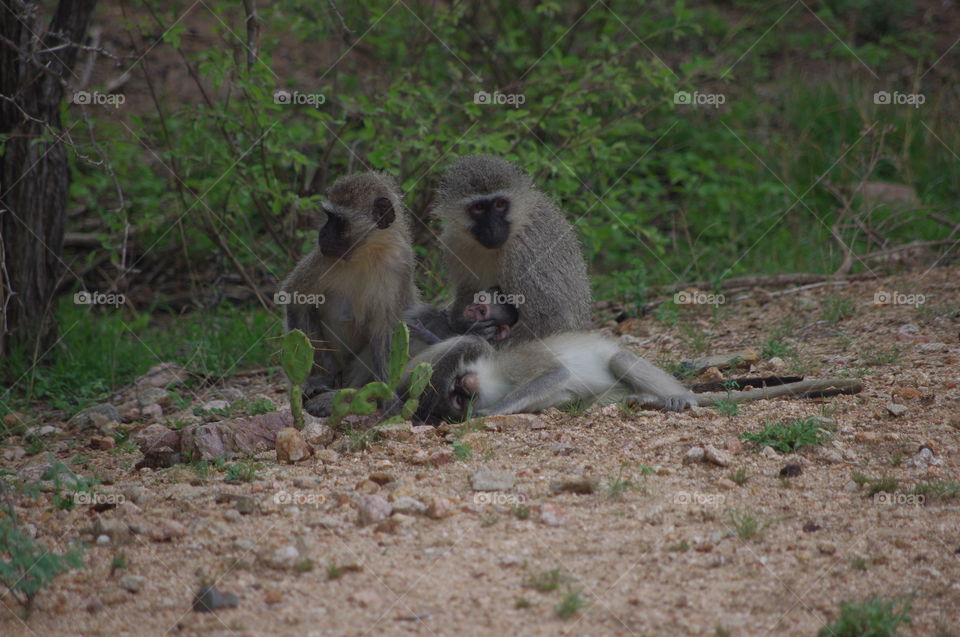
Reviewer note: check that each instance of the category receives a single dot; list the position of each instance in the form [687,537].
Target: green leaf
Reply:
[296,356]
[399,354]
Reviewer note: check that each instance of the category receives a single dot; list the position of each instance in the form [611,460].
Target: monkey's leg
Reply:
[655,386]
[320,405]
[543,391]
[419,331]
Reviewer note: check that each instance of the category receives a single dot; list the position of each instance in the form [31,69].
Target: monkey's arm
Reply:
[546,389]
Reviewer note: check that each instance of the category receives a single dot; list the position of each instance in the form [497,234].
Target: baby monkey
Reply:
[533,375]
[485,317]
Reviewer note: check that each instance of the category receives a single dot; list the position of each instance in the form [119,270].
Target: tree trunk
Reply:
[34,174]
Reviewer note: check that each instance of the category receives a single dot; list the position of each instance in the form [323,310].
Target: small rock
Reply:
[167,530]
[732,445]
[711,374]
[94,605]
[895,409]
[932,347]
[117,530]
[791,470]
[232,515]
[551,514]
[325,522]
[769,452]
[906,393]
[908,328]
[245,504]
[291,447]
[36,433]
[827,548]
[409,506]
[132,583]
[440,457]
[151,413]
[163,375]
[367,599]
[14,453]
[373,509]
[103,539]
[439,508]
[14,420]
[509,560]
[154,396]
[212,405]
[209,599]
[318,434]
[81,420]
[831,455]
[136,494]
[273,596]
[850,486]
[492,480]
[102,442]
[777,364]
[507,422]
[726,484]
[283,558]
[866,436]
[367,487]
[693,455]
[716,456]
[396,431]
[381,477]
[580,485]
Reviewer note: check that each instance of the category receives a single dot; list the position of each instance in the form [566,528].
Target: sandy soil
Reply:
[660,555]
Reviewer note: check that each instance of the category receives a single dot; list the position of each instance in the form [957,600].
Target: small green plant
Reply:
[740,476]
[859,479]
[67,485]
[522,603]
[789,436]
[619,485]
[859,563]
[746,524]
[873,617]
[242,471]
[721,631]
[26,568]
[680,547]
[837,308]
[462,450]
[360,439]
[883,484]
[546,581]
[570,604]
[363,401]
[118,562]
[575,407]
[940,489]
[776,347]
[873,356]
[296,359]
[521,511]
[727,408]
[334,571]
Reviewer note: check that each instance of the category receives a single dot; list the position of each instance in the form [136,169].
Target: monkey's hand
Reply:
[321,405]
[315,385]
[679,402]
[419,331]
[487,330]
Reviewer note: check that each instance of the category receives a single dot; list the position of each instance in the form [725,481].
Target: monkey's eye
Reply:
[500,204]
[476,208]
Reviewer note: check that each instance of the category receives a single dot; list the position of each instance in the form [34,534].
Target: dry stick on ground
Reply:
[815,388]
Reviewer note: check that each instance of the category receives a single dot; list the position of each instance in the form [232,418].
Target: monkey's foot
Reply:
[320,405]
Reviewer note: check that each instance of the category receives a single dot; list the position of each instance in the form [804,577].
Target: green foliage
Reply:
[242,471]
[837,308]
[546,581]
[939,489]
[570,604]
[296,358]
[740,476]
[727,408]
[874,617]
[791,435]
[746,524]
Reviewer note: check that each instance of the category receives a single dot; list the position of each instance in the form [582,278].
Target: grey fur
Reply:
[542,259]
[366,291]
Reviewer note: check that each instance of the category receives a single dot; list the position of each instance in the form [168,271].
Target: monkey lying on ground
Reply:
[533,375]
[349,292]
[500,230]
[487,318]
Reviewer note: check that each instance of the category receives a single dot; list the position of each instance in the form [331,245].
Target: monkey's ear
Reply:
[383,213]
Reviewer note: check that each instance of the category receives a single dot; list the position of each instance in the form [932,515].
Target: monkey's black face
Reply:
[334,238]
[490,224]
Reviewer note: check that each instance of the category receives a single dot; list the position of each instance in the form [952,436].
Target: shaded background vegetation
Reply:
[198,193]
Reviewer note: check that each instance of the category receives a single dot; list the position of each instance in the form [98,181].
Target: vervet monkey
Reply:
[468,373]
[502,231]
[349,292]
[490,320]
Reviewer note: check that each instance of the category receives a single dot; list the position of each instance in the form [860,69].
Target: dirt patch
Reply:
[660,547]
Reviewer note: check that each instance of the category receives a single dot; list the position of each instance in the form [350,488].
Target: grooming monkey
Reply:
[534,375]
[486,317]
[348,293]
[501,231]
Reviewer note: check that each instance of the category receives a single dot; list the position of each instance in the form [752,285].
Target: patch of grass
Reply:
[462,450]
[521,512]
[575,407]
[242,471]
[103,349]
[243,407]
[859,563]
[791,435]
[776,347]
[859,479]
[873,356]
[940,489]
[619,485]
[740,476]
[837,308]
[747,525]
[360,439]
[721,631]
[334,571]
[883,484]
[697,340]
[727,408]
[546,581]
[680,547]
[522,603]
[873,617]
[570,604]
